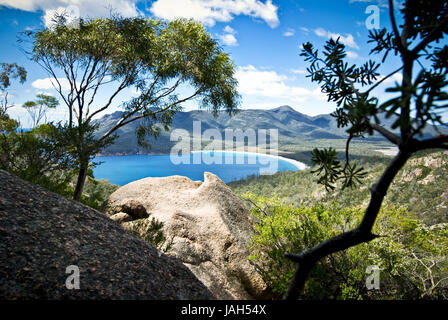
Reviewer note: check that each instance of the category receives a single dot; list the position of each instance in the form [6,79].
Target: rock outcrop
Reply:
[42,233]
[209,227]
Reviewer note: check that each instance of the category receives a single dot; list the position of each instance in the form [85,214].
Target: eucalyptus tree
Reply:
[420,45]
[36,155]
[8,72]
[37,109]
[155,59]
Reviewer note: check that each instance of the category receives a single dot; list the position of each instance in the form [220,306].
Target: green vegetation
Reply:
[8,73]
[37,109]
[420,187]
[154,57]
[411,256]
[96,192]
[294,212]
[36,156]
[39,157]
[418,102]
[152,232]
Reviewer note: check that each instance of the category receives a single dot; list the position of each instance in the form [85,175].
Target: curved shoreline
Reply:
[299,165]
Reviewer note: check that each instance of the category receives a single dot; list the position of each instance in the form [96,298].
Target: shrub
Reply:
[151,230]
[410,255]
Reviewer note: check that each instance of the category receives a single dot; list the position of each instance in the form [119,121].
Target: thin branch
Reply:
[441,280]
[400,44]
[122,123]
[92,98]
[385,78]
[347,155]
[386,133]
[122,85]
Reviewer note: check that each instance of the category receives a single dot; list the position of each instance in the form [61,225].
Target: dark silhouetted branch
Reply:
[363,233]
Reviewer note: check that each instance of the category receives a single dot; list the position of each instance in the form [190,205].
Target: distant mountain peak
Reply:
[284,108]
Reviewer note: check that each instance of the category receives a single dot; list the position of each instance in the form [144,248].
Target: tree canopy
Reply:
[37,109]
[154,58]
[8,72]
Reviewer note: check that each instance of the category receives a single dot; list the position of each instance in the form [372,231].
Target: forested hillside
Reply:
[297,131]
[421,187]
[293,213]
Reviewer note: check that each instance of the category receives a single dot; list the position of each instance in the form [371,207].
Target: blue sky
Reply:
[262,37]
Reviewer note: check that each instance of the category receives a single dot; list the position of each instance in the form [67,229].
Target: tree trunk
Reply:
[81,180]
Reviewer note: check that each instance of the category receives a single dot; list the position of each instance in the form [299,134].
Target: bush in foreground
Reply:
[410,255]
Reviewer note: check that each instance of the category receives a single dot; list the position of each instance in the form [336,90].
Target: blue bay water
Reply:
[124,169]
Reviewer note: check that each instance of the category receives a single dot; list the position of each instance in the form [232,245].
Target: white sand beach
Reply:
[299,165]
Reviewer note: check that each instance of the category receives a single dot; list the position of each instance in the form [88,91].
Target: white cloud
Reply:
[289,33]
[320,32]
[82,8]
[298,71]
[19,113]
[306,30]
[352,55]
[211,11]
[348,40]
[229,29]
[270,84]
[229,39]
[47,84]
[71,13]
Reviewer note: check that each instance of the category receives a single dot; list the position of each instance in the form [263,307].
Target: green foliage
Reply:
[80,141]
[37,155]
[420,187]
[410,255]
[154,57]
[37,109]
[152,232]
[329,166]
[420,98]
[44,157]
[8,72]
[96,193]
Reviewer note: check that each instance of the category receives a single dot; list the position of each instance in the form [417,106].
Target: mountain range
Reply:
[293,128]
